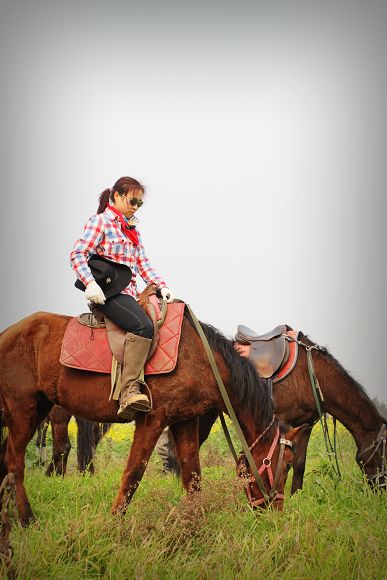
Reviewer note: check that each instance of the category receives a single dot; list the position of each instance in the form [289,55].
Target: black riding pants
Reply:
[126,313]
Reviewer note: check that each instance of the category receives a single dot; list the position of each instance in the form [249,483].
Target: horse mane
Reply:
[248,388]
[347,374]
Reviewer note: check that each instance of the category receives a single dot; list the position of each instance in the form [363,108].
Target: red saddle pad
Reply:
[88,349]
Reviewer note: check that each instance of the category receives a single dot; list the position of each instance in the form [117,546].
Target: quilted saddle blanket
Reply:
[88,348]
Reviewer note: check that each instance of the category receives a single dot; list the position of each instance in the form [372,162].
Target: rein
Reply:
[246,449]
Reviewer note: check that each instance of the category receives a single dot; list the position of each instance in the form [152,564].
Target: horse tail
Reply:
[85,444]
[103,429]
[172,461]
[89,435]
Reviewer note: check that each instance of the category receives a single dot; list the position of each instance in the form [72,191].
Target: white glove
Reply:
[167,295]
[94,293]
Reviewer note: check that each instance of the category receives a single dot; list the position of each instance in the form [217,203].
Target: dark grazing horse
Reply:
[344,398]
[33,380]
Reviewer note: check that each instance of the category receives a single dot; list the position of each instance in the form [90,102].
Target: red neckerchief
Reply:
[129,231]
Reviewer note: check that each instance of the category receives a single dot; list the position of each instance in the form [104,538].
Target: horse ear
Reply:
[294,434]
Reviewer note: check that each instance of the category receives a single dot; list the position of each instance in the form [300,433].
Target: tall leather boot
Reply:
[136,350]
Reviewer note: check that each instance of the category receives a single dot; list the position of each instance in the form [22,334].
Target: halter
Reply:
[380,441]
[266,466]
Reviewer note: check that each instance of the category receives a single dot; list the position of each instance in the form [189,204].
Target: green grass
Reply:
[329,529]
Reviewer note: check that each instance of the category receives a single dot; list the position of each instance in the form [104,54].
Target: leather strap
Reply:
[319,400]
[228,437]
[279,465]
[229,406]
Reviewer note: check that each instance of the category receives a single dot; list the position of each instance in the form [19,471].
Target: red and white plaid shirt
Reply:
[103,236]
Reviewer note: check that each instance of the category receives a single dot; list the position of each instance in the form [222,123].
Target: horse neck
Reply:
[250,429]
[345,400]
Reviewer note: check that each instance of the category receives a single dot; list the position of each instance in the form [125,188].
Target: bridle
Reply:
[266,466]
[378,445]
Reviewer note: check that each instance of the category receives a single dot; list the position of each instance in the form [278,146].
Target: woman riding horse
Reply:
[113,242]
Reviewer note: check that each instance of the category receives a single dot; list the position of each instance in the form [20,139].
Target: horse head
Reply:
[373,459]
[273,458]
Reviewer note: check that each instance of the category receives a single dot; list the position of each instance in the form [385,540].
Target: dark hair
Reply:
[123,185]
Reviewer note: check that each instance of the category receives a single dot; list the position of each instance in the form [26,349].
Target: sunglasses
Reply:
[133,201]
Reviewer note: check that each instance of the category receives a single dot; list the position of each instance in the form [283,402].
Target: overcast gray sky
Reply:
[259,130]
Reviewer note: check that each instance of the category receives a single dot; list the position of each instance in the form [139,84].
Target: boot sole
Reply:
[140,406]
[138,402]
[127,414]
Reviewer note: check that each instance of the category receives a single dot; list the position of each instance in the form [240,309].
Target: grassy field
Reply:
[330,529]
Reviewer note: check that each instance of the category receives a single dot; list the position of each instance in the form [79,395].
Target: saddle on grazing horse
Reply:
[274,353]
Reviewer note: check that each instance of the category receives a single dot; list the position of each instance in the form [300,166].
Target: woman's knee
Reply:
[141,324]
[146,329]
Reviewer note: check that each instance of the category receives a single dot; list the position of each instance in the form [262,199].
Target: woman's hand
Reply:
[94,293]
[167,295]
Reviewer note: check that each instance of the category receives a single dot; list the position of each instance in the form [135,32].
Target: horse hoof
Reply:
[27,521]
[119,509]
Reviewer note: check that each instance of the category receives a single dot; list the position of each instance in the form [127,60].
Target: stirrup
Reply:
[149,398]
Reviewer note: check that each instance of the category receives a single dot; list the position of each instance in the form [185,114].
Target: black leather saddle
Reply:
[268,351]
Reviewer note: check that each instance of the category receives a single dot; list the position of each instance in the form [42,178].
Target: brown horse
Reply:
[33,380]
[344,398]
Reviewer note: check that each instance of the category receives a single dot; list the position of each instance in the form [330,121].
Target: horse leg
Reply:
[60,419]
[148,430]
[186,436]
[300,460]
[22,425]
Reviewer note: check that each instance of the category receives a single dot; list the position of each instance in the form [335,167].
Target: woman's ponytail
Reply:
[104,200]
